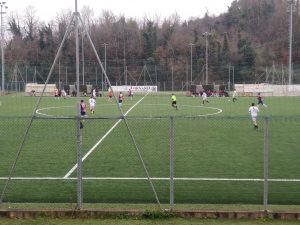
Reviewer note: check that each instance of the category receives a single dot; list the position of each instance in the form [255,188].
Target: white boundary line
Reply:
[101,139]
[153,178]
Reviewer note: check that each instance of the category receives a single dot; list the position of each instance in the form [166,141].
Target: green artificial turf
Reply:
[214,141]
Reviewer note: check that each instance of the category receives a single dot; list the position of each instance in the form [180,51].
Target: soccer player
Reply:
[32,93]
[120,99]
[63,93]
[56,94]
[92,103]
[204,98]
[110,94]
[94,93]
[130,93]
[261,101]
[174,102]
[233,96]
[82,111]
[253,110]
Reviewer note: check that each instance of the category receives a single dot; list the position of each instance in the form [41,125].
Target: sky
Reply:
[48,9]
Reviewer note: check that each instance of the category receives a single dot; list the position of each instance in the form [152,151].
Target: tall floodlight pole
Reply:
[229,73]
[206,34]
[82,52]
[233,78]
[124,53]
[3,7]
[105,45]
[191,44]
[291,9]
[58,75]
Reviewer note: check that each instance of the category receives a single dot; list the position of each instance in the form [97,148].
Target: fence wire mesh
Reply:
[217,160]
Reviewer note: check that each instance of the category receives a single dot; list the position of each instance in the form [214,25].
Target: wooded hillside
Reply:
[252,36]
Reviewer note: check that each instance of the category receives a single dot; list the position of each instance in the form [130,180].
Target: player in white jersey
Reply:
[253,110]
[234,96]
[94,93]
[204,98]
[63,93]
[92,103]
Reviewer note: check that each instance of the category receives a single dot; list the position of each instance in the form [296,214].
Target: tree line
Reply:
[250,36]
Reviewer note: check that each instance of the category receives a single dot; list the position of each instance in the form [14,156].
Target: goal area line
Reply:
[153,178]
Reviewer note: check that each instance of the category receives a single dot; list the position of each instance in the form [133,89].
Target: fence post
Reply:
[266,157]
[79,165]
[171,163]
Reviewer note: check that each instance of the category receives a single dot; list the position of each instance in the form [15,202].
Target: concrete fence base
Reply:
[98,213]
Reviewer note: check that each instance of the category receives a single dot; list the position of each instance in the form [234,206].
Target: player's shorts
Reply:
[174,102]
[83,113]
[254,118]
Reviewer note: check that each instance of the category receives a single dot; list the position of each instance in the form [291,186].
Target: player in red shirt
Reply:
[82,111]
[120,99]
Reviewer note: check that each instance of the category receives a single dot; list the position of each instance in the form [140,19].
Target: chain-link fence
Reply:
[166,78]
[219,160]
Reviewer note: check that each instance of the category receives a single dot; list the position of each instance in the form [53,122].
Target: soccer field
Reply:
[218,157]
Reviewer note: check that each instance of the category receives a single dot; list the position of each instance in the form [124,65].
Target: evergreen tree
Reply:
[149,35]
[225,50]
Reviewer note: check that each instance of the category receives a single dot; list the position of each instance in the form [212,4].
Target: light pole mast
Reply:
[3,7]
[191,44]
[82,52]
[105,45]
[206,56]
[291,9]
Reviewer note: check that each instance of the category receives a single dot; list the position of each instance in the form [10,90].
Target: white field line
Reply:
[188,106]
[101,139]
[38,111]
[54,107]
[194,106]
[153,178]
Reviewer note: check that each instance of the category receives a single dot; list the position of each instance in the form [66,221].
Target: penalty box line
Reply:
[101,139]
